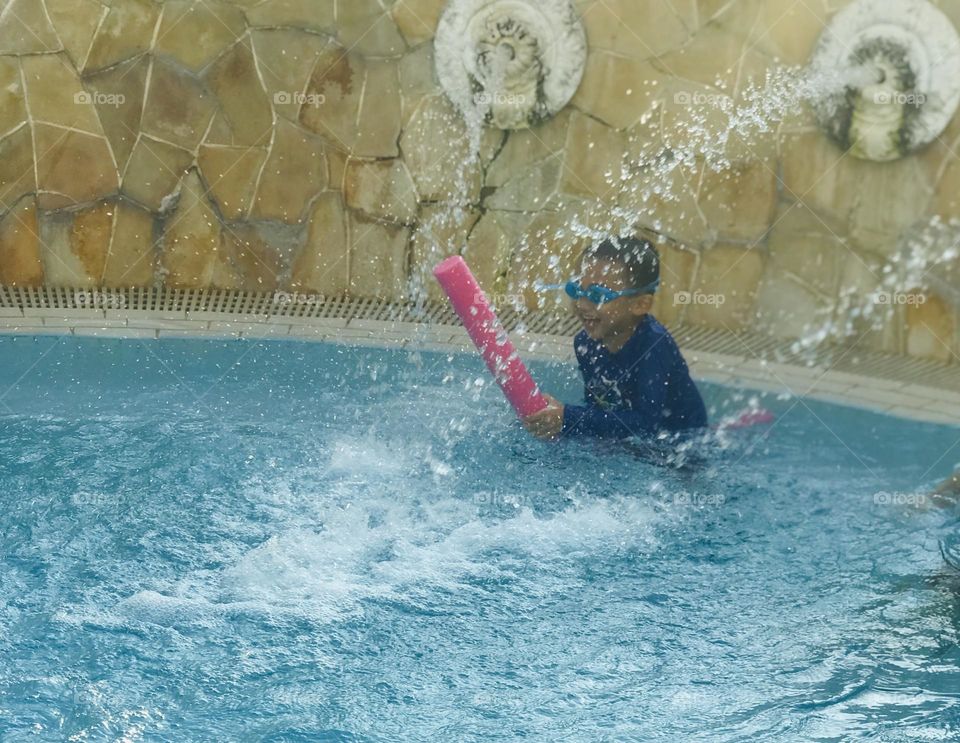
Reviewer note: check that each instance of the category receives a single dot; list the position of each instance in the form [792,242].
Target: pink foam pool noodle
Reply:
[748,419]
[489,336]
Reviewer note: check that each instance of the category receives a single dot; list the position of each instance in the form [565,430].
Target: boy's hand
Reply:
[548,423]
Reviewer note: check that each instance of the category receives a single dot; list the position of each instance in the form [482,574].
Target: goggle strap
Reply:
[650,288]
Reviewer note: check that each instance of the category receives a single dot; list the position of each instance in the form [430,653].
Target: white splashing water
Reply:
[713,131]
[928,258]
[717,135]
[324,567]
[384,518]
[455,213]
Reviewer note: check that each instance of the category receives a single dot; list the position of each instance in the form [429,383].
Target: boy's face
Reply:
[611,323]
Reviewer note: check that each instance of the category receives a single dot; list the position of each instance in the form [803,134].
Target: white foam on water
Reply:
[384,517]
[318,572]
[366,456]
[171,611]
[381,548]
[577,532]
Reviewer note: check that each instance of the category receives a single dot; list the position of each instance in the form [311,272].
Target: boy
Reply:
[636,382]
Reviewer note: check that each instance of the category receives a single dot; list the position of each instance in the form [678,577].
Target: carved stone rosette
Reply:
[510,63]
[895,66]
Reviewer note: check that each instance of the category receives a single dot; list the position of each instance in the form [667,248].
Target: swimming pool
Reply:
[219,541]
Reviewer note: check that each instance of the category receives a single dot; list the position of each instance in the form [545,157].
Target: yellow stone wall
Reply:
[305,145]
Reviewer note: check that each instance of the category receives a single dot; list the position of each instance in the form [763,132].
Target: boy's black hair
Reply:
[637,255]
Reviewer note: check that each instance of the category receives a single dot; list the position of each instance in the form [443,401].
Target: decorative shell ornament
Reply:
[894,72]
[510,63]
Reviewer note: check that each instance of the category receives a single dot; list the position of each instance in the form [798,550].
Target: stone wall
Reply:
[305,145]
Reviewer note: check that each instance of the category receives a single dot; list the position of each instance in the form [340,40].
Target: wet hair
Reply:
[637,256]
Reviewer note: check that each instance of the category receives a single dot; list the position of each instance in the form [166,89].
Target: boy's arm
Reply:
[592,420]
[643,418]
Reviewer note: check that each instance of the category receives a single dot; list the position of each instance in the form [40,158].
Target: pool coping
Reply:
[873,381]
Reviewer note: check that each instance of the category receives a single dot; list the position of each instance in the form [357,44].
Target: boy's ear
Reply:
[643,304]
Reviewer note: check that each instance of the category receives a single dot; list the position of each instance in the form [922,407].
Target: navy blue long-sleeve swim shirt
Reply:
[643,389]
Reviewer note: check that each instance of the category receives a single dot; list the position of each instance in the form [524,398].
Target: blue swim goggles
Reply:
[598,294]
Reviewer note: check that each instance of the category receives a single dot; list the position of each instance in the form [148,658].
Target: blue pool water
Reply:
[287,542]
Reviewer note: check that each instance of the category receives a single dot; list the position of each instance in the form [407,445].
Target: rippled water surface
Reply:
[284,542]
